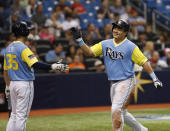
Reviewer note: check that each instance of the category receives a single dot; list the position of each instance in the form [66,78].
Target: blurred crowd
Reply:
[63,16]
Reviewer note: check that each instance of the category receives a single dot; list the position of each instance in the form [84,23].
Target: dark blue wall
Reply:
[89,89]
[71,90]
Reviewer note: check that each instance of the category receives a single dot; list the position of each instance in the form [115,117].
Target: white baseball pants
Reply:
[21,93]
[120,93]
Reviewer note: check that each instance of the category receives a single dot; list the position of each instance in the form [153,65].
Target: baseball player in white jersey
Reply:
[19,62]
[120,55]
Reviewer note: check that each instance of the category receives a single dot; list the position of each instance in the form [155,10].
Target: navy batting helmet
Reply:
[20,29]
[123,24]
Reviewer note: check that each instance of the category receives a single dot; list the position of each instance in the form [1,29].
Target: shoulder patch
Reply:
[31,56]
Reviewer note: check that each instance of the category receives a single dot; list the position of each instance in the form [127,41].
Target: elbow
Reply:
[90,54]
[87,54]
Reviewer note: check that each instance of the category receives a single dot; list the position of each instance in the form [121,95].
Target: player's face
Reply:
[118,33]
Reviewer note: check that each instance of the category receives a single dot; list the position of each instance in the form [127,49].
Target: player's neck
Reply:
[119,40]
[21,39]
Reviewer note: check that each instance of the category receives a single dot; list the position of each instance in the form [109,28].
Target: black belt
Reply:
[114,81]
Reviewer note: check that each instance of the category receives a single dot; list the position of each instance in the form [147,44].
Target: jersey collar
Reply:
[17,42]
[115,44]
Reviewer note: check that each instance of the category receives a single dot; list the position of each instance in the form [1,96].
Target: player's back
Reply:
[17,68]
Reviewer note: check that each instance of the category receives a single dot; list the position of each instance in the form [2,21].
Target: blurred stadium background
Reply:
[86,85]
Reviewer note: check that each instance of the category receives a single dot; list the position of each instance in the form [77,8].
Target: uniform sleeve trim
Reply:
[93,51]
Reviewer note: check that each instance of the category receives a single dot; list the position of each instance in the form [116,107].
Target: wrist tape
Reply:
[153,76]
[80,41]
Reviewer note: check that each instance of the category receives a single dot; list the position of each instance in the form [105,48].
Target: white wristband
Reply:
[79,39]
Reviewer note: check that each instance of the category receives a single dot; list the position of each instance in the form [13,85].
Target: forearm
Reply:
[86,49]
[147,67]
[6,78]
[55,66]
[41,65]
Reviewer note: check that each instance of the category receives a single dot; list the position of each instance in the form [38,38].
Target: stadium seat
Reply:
[89,63]
[98,23]
[7,12]
[43,48]
[157,46]
[25,17]
[42,56]
[77,70]
[151,4]
[2,44]
[108,21]
[84,21]
[4,35]
[64,42]
[86,3]
[70,2]
[167,45]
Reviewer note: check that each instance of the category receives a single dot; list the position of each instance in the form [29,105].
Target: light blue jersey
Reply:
[18,60]
[118,59]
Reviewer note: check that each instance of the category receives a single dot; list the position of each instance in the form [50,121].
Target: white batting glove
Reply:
[158,84]
[59,66]
[7,92]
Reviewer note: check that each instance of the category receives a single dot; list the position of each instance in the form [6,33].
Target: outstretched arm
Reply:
[56,66]
[29,58]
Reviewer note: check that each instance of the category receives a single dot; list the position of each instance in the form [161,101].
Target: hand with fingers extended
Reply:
[60,66]
[158,84]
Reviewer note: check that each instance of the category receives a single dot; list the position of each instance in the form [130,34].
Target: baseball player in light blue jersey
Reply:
[19,62]
[120,55]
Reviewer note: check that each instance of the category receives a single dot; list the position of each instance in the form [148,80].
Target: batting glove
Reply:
[7,92]
[76,34]
[59,66]
[158,84]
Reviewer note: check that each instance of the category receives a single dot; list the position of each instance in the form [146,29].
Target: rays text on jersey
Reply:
[114,55]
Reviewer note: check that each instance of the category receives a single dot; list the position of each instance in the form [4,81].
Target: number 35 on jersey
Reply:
[11,62]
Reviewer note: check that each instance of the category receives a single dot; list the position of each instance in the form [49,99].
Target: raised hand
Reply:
[76,33]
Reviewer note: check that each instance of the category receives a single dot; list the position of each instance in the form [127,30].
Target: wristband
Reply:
[80,41]
[153,76]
